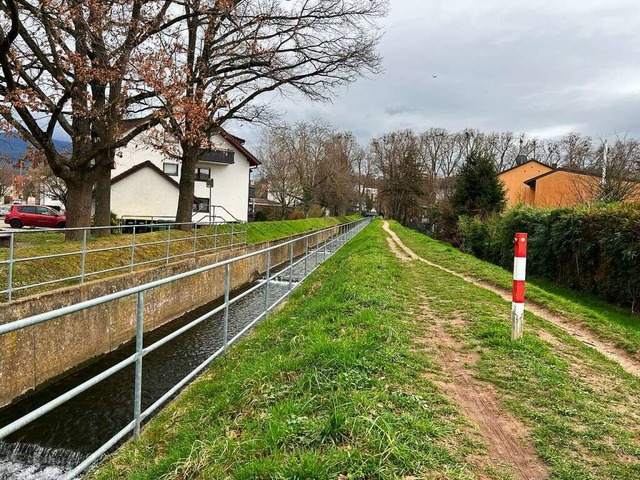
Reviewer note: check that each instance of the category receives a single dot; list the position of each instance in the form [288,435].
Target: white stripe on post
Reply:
[519,276]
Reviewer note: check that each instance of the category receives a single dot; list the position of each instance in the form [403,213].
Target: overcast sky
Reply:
[547,67]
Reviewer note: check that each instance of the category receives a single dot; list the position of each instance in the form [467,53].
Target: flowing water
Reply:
[59,441]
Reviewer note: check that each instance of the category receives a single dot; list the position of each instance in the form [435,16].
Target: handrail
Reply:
[326,239]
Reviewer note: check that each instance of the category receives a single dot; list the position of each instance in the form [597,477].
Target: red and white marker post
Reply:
[519,275]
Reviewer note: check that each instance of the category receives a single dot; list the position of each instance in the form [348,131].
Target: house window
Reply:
[200,205]
[170,169]
[203,174]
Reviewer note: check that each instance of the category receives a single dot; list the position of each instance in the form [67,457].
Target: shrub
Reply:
[595,250]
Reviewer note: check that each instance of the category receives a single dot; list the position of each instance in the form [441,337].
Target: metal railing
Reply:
[327,241]
[149,244]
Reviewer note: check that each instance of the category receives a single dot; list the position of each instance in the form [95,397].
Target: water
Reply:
[59,441]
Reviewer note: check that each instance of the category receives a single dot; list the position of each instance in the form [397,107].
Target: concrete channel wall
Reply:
[35,356]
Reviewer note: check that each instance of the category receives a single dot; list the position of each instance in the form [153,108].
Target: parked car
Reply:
[34,216]
[4,209]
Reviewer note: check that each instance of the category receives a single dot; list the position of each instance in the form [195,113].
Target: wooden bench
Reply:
[5,240]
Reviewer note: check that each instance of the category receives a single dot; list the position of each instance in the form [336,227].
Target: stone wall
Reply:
[35,356]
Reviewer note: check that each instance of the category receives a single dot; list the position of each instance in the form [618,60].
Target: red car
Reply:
[34,216]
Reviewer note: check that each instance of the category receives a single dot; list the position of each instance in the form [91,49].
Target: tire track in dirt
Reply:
[505,436]
[629,363]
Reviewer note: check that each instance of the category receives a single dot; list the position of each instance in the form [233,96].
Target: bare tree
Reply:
[614,174]
[240,50]
[6,180]
[66,67]
[341,189]
[397,160]
[278,169]
[503,148]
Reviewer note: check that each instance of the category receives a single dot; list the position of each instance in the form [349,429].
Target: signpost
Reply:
[210,187]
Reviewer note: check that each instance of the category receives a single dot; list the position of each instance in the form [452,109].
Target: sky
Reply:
[541,67]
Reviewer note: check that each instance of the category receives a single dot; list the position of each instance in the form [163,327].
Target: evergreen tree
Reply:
[478,191]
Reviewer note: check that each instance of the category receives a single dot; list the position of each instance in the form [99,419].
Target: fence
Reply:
[140,244]
[312,246]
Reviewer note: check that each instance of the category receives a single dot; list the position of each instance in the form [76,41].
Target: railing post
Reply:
[133,246]
[233,240]
[215,235]
[84,255]
[317,247]
[266,286]
[168,243]
[137,396]
[10,267]
[306,255]
[225,321]
[195,238]
[291,266]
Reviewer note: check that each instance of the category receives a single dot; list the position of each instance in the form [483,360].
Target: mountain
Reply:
[14,148]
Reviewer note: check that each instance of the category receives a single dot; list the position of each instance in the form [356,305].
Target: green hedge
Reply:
[596,250]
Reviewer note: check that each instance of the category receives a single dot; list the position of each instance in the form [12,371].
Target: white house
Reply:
[145,183]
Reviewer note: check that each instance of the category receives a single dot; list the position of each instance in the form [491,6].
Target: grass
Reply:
[154,253]
[610,322]
[581,407]
[328,387]
[332,386]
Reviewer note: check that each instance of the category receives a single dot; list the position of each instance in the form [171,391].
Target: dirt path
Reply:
[624,359]
[503,434]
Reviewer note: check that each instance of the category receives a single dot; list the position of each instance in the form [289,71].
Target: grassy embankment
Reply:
[328,387]
[39,244]
[342,384]
[608,321]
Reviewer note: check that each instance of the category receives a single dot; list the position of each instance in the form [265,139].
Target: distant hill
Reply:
[15,148]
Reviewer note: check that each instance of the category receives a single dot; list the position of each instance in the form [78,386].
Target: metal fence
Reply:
[139,244]
[318,245]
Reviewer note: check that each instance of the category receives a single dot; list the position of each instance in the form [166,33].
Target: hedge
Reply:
[595,250]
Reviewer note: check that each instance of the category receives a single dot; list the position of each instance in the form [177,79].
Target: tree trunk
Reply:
[184,213]
[78,207]
[102,216]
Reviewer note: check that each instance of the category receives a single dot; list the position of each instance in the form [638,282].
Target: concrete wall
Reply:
[33,357]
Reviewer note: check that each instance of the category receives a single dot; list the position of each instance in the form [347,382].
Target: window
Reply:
[170,169]
[200,205]
[203,174]
[45,211]
[27,209]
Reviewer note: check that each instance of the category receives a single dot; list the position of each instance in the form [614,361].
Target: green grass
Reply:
[328,387]
[608,321]
[181,245]
[332,386]
[264,231]
[581,408]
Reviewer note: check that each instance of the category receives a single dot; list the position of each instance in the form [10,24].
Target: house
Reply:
[145,183]
[534,183]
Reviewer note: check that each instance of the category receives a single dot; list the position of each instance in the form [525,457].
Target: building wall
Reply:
[231,182]
[567,189]
[144,193]
[513,180]
[564,189]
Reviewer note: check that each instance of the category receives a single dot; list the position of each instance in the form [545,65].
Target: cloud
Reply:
[543,66]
